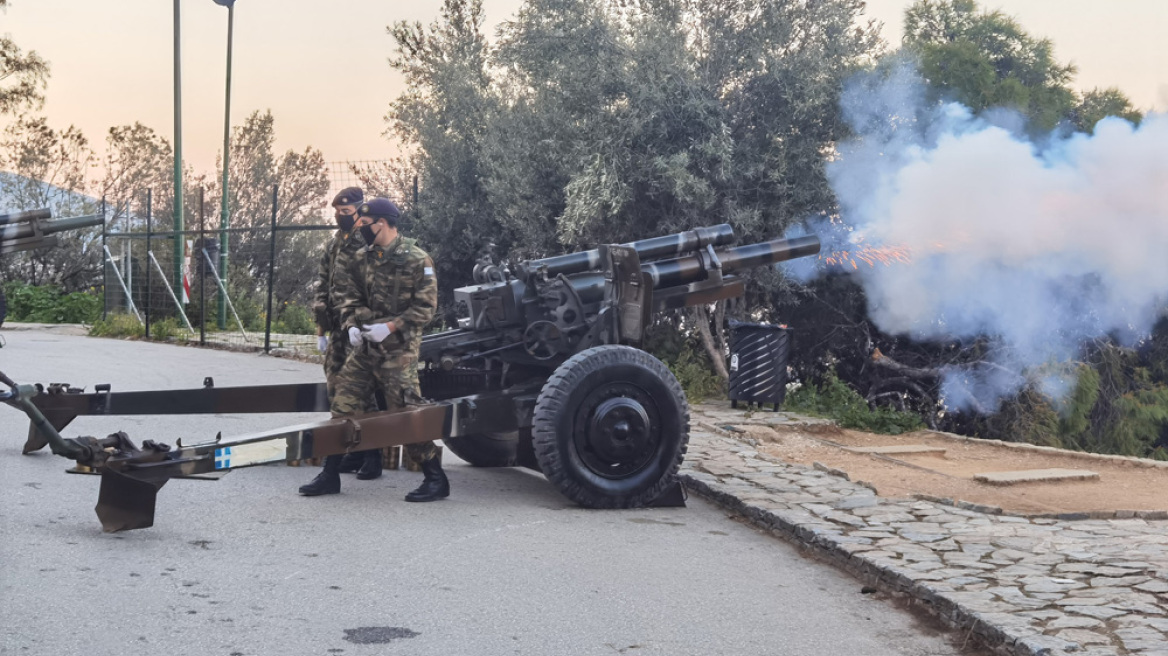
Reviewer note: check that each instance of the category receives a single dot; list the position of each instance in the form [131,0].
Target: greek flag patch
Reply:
[428,271]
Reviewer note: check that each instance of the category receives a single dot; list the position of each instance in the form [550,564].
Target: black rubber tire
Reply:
[591,463]
[486,449]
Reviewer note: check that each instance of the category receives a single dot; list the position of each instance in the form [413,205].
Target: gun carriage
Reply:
[544,370]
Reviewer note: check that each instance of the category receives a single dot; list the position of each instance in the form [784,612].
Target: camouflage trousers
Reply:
[334,360]
[392,376]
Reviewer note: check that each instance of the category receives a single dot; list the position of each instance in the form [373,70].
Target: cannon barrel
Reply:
[23,229]
[685,270]
[674,245]
[31,215]
[690,269]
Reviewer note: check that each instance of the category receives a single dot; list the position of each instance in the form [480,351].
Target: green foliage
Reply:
[835,399]
[1100,103]
[1075,419]
[249,304]
[167,328]
[1029,417]
[1141,418]
[692,368]
[986,59]
[687,360]
[295,319]
[118,325]
[46,304]
[125,325]
[1117,406]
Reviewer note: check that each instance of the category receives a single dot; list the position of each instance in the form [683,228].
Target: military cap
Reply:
[380,208]
[349,196]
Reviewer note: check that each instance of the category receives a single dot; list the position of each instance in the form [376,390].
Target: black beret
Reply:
[349,196]
[379,208]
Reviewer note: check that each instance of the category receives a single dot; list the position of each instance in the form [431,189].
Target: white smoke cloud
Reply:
[1038,245]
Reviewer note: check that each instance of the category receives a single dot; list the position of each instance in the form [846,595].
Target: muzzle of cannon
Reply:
[24,231]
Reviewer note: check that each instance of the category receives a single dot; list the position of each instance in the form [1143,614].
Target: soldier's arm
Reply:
[424,303]
[320,299]
[350,299]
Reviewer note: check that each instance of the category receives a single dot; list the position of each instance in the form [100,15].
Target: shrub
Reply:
[117,325]
[685,357]
[834,399]
[46,304]
[694,371]
[295,319]
[167,328]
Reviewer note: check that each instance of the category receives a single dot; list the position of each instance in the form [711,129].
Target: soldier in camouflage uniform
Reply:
[386,295]
[331,340]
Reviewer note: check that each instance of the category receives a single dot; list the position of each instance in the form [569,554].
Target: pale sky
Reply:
[320,66]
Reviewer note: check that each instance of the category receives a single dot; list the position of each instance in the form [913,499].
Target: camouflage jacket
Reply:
[392,284]
[341,249]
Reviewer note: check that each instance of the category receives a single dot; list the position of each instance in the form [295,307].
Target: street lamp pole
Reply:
[224,204]
[178,172]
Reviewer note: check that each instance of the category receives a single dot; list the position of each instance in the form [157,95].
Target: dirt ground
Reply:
[950,475]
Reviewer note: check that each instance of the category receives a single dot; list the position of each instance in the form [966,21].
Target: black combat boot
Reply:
[371,466]
[352,462]
[434,486]
[328,481]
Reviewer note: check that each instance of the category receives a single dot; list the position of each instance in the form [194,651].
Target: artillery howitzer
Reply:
[25,231]
[544,371]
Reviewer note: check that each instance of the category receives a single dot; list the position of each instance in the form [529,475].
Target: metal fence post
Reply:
[202,278]
[104,264]
[149,273]
[271,270]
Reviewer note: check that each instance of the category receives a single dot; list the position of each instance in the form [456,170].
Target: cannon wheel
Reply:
[611,427]
[486,449]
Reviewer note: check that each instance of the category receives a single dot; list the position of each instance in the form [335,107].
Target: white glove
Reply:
[321,343]
[376,332]
[355,336]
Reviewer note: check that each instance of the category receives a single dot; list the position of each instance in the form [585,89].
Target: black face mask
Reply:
[368,234]
[346,221]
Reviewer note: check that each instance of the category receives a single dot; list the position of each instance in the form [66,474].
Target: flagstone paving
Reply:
[1022,585]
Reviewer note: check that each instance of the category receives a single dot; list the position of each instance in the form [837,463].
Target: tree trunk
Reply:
[882,360]
[702,319]
[720,325]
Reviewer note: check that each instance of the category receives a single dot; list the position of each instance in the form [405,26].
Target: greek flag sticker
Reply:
[223,458]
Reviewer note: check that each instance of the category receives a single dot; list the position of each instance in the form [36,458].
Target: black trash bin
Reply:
[758,363]
[211,245]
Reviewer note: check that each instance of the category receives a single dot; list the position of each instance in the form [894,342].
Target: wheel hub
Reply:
[620,427]
[619,436]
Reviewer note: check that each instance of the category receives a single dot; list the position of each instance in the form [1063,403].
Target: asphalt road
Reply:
[244,566]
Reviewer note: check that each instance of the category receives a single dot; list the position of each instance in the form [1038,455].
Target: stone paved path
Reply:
[1026,586]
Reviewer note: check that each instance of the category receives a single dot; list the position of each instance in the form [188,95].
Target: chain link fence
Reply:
[247,288]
